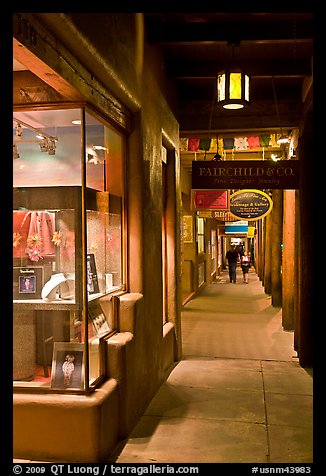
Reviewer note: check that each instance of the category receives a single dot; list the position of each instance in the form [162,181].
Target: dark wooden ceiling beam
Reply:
[259,68]
[262,114]
[176,32]
[259,92]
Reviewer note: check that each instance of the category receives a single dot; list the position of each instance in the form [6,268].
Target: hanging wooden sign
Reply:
[237,174]
[222,215]
[250,204]
[209,199]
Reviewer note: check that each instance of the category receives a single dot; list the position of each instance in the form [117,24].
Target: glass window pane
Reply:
[46,148]
[221,87]
[96,152]
[235,86]
[246,87]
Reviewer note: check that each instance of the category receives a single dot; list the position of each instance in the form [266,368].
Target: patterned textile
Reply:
[193,144]
[183,143]
[228,143]
[264,140]
[253,142]
[241,143]
[204,143]
[213,147]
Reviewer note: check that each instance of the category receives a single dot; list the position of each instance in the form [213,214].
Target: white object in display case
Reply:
[108,281]
[50,288]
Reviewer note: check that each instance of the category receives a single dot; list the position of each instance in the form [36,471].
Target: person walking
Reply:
[245,265]
[232,258]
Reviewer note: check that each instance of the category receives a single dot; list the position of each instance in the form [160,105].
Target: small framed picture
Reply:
[188,229]
[68,365]
[27,284]
[92,281]
[98,319]
[28,281]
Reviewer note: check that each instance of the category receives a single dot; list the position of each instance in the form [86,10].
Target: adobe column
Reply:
[307,263]
[288,260]
[276,250]
[268,252]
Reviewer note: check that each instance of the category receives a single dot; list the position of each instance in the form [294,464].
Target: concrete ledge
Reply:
[127,304]
[168,346]
[68,428]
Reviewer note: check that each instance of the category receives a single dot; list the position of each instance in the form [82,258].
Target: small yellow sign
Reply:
[251,232]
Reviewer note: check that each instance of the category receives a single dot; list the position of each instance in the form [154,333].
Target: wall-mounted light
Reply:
[47,143]
[15,152]
[43,145]
[18,130]
[233,89]
[51,146]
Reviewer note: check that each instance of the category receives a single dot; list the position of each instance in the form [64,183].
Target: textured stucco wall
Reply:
[113,55]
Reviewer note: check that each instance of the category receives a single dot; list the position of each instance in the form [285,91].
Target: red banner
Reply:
[210,199]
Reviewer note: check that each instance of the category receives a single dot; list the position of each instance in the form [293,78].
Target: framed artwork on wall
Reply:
[188,229]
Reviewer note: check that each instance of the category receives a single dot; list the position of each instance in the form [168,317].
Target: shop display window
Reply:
[68,246]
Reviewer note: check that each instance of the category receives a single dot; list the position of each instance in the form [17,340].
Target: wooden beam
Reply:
[44,72]
[181,32]
[258,68]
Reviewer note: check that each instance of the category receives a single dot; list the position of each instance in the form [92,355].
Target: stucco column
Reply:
[258,248]
[268,251]
[308,271]
[288,260]
[276,250]
[297,268]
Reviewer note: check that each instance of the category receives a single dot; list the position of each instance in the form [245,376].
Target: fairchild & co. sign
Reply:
[237,174]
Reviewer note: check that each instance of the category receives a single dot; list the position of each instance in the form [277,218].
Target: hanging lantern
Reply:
[233,89]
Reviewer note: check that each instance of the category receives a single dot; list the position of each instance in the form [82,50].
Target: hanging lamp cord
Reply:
[278,113]
[211,117]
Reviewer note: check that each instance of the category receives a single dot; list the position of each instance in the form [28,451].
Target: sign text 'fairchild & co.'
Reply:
[236,174]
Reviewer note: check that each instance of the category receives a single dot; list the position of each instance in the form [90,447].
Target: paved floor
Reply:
[239,394]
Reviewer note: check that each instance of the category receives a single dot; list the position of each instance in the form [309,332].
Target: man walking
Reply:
[232,257]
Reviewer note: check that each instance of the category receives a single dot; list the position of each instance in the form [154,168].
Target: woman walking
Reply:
[245,265]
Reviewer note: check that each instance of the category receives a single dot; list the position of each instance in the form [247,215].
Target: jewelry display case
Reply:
[67,252]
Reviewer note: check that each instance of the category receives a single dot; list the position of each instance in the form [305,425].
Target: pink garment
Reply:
[43,224]
[241,143]
[193,144]
[253,142]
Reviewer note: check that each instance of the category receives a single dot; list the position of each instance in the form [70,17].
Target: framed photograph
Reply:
[92,281]
[27,282]
[68,365]
[188,229]
[98,319]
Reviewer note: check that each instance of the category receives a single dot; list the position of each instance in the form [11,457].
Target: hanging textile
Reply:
[272,141]
[183,143]
[241,143]
[204,143]
[228,143]
[193,144]
[213,146]
[21,223]
[220,145]
[253,142]
[264,140]
[42,224]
